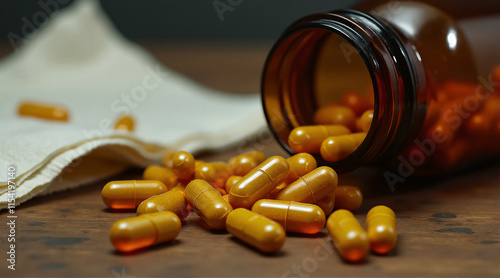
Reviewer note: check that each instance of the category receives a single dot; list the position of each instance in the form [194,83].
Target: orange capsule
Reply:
[478,125]
[226,198]
[165,175]
[335,115]
[381,229]
[336,148]
[173,200]
[355,102]
[259,182]
[327,203]
[347,235]
[366,120]
[215,173]
[232,180]
[166,160]
[183,165]
[308,139]
[125,123]
[256,230]
[208,203]
[141,231]
[242,164]
[311,187]
[129,194]
[293,216]
[300,164]
[348,197]
[257,156]
[47,112]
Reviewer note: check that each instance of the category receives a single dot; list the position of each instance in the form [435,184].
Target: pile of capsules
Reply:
[257,199]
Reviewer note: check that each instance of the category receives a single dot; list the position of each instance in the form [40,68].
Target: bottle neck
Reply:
[290,87]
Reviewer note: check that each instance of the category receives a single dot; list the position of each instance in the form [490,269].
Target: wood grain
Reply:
[447,227]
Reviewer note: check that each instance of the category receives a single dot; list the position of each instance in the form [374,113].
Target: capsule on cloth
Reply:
[128,194]
[42,111]
[256,230]
[126,123]
[141,231]
[163,174]
[308,139]
[259,182]
[335,148]
[208,203]
[293,216]
[347,235]
[183,165]
[381,229]
[311,187]
[173,200]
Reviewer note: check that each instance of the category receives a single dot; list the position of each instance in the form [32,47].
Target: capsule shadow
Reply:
[147,249]
[278,254]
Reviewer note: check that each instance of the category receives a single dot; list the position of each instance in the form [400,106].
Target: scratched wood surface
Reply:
[447,227]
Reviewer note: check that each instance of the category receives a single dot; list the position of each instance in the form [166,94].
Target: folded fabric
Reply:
[80,61]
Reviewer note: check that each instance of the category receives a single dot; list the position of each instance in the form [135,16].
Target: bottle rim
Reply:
[393,75]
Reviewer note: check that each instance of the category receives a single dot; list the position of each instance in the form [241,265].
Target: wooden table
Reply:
[447,227]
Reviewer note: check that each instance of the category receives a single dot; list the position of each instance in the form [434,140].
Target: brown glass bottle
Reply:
[433,77]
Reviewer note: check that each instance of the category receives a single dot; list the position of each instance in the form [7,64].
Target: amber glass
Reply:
[416,61]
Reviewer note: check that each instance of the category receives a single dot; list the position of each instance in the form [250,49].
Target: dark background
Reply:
[257,20]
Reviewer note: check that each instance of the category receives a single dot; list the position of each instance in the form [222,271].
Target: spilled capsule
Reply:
[128,194]
[347,235]
[42,111]
[335,148]
[381,229]
[173,200]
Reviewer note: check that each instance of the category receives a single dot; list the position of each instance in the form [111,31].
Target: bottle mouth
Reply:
[322,56]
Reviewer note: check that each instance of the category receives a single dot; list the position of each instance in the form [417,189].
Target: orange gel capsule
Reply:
[335,148]
[381,229]
[166,160]
[300,164]
[165,175]
[365,120]
[355,102]
[257,156]
[256,230]
[348,197]
[183,165]
[347,235]
[242,164]
[259,182]
[311,187]
[141,231]
[293,216]
[208,203]
[308,139]
[129,194]
[327,203]
[173,200]
[335,115]
[215,173]
[232,180]
[47,112]
[125,123]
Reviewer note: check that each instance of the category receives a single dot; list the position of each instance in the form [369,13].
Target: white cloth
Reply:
[80,61]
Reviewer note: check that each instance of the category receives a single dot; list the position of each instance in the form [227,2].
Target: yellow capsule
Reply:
[141,231]
[381,229]
[327,203]
[208,203]
[256,230]
[348,197]
[232,180]
[129,194]
[308,139]
[165,175]
[300,164]
[311,187]
[365,121]
[47,112]
[166,160]
[257,156]
[125,123]
[335,115]
[259,182]
[335,148]
[226,198]
[293,216]
[215,173]
[242,164]
[183,165]
[173,200]
[347,235]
